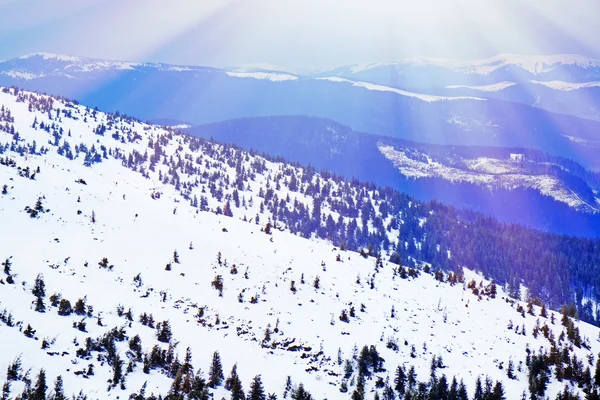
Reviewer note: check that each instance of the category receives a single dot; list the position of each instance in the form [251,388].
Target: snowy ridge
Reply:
[567,86]
[380,88]
[270,76]
[494,87]
[488,172]
[535,64]
[108,219]
[40,65]
[270,67]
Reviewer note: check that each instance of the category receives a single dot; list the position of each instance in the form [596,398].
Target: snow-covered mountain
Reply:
[533,64]
[510,77]
[117,226]
[43,65]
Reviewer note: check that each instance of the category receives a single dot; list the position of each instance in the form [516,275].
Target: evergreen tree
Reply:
[163,332]
[215,374]
[199,391]
[39,305]
[301,394]
[400,380]
[257,392]
[442,388]
[39,390]
[64,307]
[232,378]
[288,383]
[462,391]
[453,391]
[5,391]
[478,390]
[59,393]
[237,391]
[117,370]
[498,392]
[39,287]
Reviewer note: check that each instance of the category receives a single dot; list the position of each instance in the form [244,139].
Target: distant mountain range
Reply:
[200,95]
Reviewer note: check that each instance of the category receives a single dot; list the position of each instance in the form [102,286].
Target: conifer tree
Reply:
[234,384]
[59,393]
[400,380]
[462,391]
[215,373]
[163,332]
[498,392]
[478,390]
[199,391]
[39,305]
[5,391]
[232,378]
[117,370]
[257,392]
[64,307]
[39,287]
[301,394]
[39,391]
[288,386]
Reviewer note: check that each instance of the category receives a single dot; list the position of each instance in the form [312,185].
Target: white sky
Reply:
[297,33]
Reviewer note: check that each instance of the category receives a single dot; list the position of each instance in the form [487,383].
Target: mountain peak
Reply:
[50,56]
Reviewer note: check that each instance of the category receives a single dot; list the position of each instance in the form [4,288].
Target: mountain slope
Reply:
[532,188]
[107,223]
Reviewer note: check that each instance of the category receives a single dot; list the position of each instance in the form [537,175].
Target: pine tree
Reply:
[5,391]
[39,287]
[478,390]
[58,389]
[64,307]
[453,392]
[216,371]
[7,264]
[199,391]
[257,392]
[39,305]
[117,370]
[237,391]
[163,332]
[510,371]
[301,394]
[232,378]
[462,391]
[29,331]
[400,380]
[288,384]
[79,307]
[498,392]
[39,391]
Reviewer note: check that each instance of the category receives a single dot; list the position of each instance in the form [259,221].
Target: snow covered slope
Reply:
[513,172]
[126,220]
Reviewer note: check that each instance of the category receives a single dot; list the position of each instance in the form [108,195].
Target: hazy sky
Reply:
[297,33]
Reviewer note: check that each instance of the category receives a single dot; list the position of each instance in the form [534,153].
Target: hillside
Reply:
[531,188]
[118,226]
